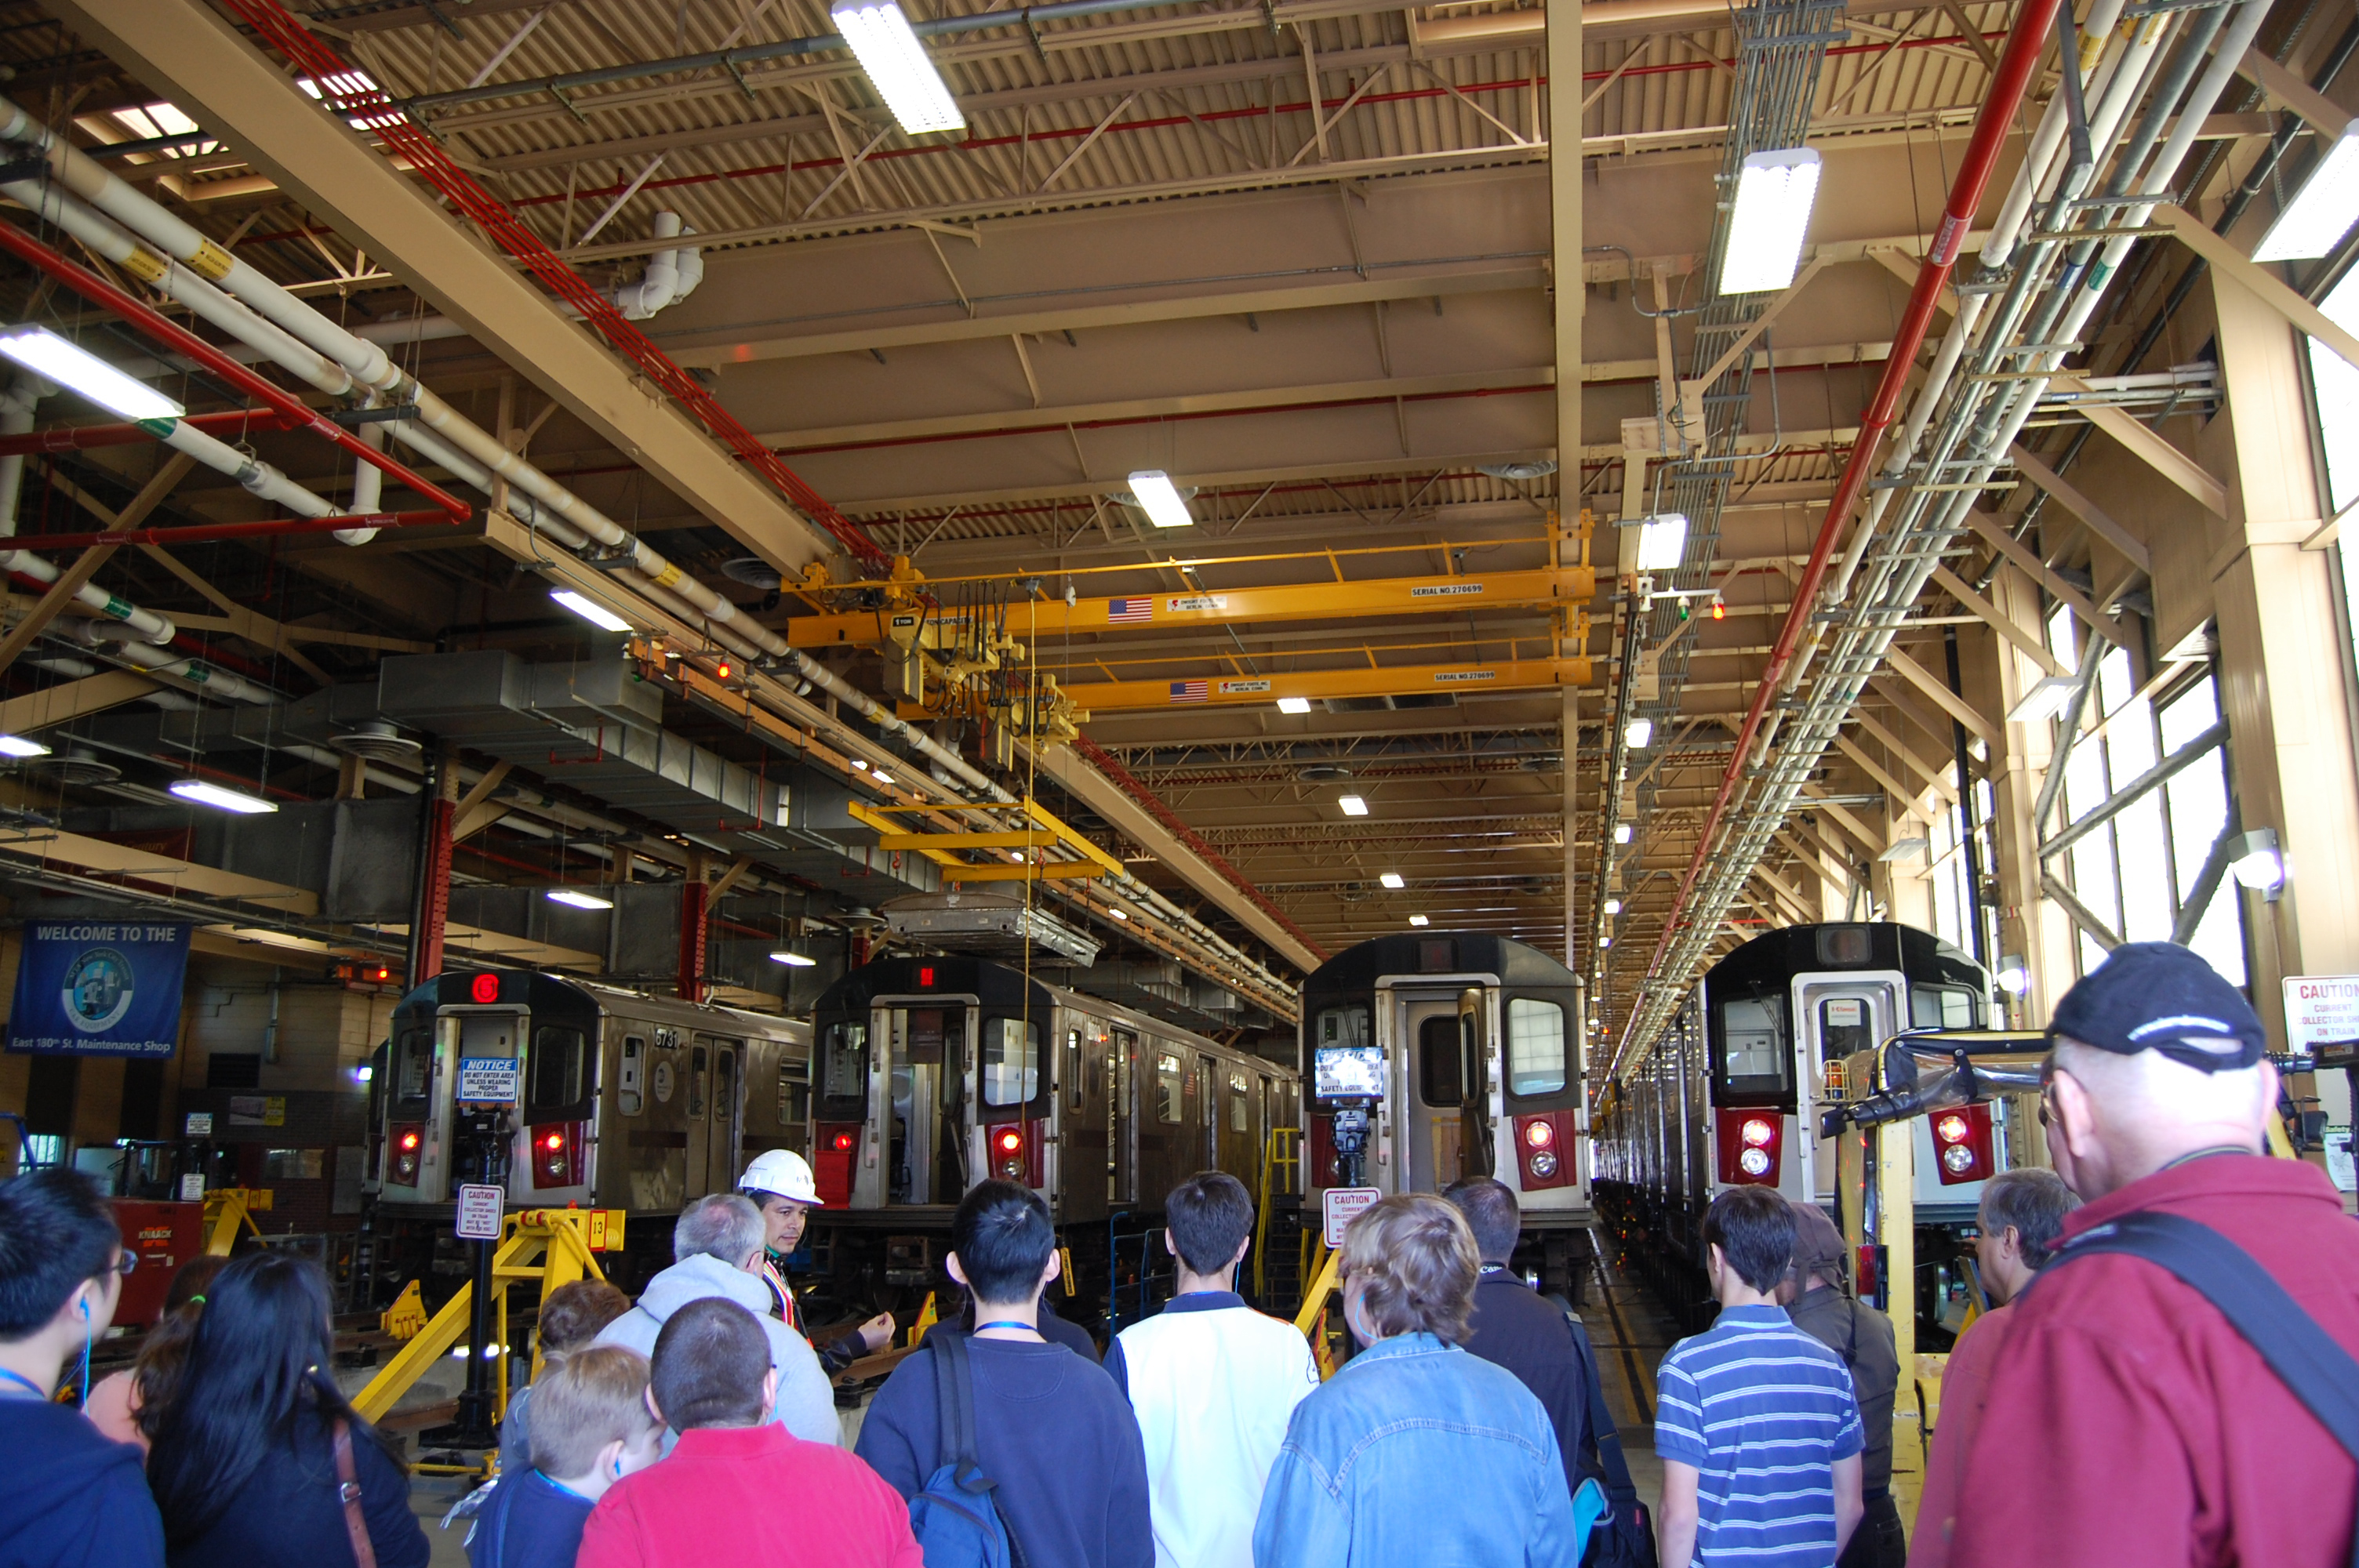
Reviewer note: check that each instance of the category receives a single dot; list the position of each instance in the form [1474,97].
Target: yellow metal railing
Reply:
[1283,1147]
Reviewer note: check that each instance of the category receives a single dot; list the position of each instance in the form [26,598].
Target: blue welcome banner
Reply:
[89,988]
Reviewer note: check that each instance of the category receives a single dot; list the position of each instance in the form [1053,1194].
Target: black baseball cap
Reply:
[2157,996]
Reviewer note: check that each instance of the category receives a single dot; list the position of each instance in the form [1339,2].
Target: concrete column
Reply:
[2281,675]
[2027,923]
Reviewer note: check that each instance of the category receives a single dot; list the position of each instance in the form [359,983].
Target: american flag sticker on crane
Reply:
[1129,611]
[1190,691]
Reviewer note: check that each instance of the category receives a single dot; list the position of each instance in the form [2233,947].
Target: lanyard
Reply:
[25,1383]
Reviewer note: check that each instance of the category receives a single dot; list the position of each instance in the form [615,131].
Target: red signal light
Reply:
[1719,610]
[409,1141]
[724,669]
[1962,1145]
[1538,1135]
[485,988]
[1749,1148]
[843,1140]
[1758,1133]
[1010,1140]
[925,978]
[554,1141]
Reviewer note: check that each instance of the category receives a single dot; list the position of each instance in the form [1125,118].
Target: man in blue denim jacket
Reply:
[1416,1455]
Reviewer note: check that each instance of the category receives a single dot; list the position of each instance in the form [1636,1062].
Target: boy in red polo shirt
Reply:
[738,1488]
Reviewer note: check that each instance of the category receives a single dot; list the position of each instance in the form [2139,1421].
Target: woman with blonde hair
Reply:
[1415,1452]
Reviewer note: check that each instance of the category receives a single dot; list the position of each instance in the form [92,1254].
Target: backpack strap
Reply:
[1602,1430]
[2315,1370]
[954,1401]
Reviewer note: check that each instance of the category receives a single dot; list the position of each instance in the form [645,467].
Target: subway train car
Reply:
[1733,1091]
[1432,1055]
[612,1100]
[935,1073]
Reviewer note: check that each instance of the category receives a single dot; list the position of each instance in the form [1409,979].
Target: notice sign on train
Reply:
[1341,1206]
[479,1212]
[487,1079]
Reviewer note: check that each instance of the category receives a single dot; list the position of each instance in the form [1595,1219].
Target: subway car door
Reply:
[1839,1016]
[725,1114]
[1124,1187]
[1480,1106]
[1430,1088]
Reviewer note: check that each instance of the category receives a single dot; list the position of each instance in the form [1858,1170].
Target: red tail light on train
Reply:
[835,1147]
[408,1152]
[559,1154]
[1015,1151]
[1544,1149]
[1962,1145]
[1751,1147]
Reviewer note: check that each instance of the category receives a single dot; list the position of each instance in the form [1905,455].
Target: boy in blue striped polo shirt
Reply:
[1757,1428]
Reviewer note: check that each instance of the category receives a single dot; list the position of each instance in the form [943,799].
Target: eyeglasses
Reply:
[125,1262]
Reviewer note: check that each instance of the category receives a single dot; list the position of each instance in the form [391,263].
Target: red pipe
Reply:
[211,533]
[2025,43]
[80,437]
[97,291]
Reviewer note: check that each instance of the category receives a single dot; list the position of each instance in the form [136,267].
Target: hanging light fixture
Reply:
[897,66]
[1774,193]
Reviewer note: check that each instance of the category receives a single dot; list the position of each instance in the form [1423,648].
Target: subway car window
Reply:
[1011,1061]
[1846,1024]
[1166,1087]
[794,1093]
[1238,1121]
[628,1097]
[1943,1007]
[1535,1046]
[1344,1026]
[845,1069]
[1439,1068]
[1754,1029]
[413,1072]
[558,1058]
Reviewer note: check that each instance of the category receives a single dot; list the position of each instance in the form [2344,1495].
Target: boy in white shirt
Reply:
[1212,1382]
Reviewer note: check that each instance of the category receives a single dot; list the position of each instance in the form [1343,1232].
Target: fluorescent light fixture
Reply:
[1775,193]
[16,746]
[882,777]
[2254,860]
[792,960]
[1662,540]
[590,610]
[1392,880]
[1605,941]
[897,66]
[1119,913]
[1905,849]
[222,799]
[77,369]
[1419,920]
[1612,906]
[859,765]
[579,899]
[1638,732]
[2322,210]
[1159,499]
[1294,705]
[1352,806]
[2046,698]
[1621,833]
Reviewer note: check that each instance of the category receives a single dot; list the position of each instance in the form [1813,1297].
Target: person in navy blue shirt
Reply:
[591,1428]
[72,1497]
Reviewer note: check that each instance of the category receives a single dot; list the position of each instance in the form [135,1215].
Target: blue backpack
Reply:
[954,1518]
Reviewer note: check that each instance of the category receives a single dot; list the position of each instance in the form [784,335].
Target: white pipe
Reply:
[368,487]
[16,419]
[196,672]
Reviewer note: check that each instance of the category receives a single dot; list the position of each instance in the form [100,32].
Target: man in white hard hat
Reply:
[779,1182]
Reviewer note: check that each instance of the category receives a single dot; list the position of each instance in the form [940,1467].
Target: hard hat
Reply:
[781,1173]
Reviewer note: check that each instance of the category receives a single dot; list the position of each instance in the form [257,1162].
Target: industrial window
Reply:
[1535,1046]
[1166,1087]
[1011,1061]
[2137,873]
[559,1063]
[1753,1035]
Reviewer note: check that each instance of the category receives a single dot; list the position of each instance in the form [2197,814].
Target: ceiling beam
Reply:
[189,54]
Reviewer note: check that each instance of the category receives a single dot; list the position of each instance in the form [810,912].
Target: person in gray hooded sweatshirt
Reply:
[717,1245]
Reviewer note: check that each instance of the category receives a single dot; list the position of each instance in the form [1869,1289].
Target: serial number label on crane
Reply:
[1340,1205]
[479,1212]
[1445,589]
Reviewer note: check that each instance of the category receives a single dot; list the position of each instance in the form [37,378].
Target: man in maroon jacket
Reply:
[2127,1421]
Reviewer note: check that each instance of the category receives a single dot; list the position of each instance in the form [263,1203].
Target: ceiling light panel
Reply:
[898,67]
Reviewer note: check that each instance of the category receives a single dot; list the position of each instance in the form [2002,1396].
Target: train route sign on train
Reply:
[479,1211]
[1340,1205]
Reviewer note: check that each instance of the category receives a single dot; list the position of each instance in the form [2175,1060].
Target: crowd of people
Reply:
[2100,1412]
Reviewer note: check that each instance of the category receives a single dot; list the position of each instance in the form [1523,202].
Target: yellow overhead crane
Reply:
[1395,680]
[906,625]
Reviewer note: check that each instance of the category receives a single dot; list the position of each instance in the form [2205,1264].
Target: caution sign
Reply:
[480,1208]
[1340,1205]
[2321,1011]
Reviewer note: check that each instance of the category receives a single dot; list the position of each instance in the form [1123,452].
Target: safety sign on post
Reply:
[480,1210]
[1341,1206]
[487,1080]
[2321,1013]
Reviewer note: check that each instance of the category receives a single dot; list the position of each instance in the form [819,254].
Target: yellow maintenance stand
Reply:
[546,1247]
